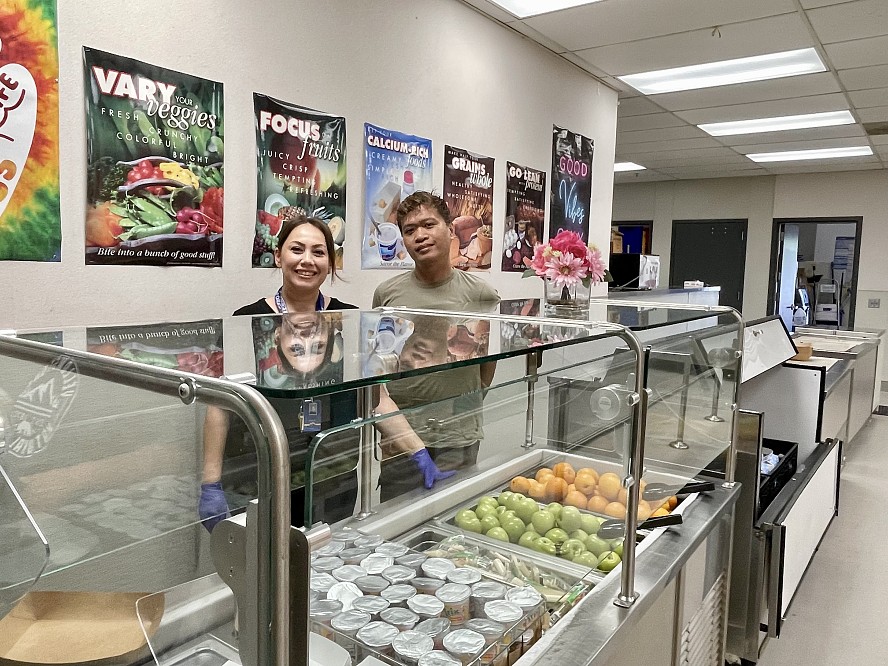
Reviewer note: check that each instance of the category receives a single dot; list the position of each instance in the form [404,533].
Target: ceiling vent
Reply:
[876,129]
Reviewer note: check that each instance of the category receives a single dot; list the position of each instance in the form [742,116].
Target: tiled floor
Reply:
[837,616]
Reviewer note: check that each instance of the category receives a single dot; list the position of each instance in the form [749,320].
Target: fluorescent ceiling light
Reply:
[818,154]
[628,166]
[778,124]
[727,72]
[526,8]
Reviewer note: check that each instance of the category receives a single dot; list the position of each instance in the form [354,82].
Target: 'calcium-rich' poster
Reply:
[571,182]
[301,164]
[155,164]
[396,165]
[30,222]
[525,214]
[468,191]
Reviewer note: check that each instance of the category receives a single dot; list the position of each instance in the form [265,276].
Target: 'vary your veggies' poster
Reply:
[468,191]
[301,163]
[571,182]
[30,226]
[396,165]
[155,177]
[525,212]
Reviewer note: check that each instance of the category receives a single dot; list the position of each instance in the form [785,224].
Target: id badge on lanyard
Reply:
[310,415]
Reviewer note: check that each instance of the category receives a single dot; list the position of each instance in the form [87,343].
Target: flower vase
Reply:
[568,301]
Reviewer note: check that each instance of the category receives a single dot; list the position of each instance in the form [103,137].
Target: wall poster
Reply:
[155,164]
[30,222]
[468,191]
[571,182]
[396,165]
[301,163]
[525,213]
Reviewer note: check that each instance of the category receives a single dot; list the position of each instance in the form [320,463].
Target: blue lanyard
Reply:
[282,305]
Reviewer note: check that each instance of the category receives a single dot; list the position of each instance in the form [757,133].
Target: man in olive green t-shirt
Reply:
[451,429]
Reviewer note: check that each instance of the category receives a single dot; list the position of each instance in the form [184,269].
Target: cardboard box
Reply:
[82,628]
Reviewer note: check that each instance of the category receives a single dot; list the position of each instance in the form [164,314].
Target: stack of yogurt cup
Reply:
[375,597]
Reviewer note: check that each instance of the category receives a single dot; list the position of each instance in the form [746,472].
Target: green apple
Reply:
[571,548]
[544,545]
[485,510]
[489,522]
[597,545]
[589,523]
[555,509]
[581,535]
[508,514]
[571,519]
[464,515]
[501,509]
[586,559]
[608,561]
[542,521]
[498,533]
[513,501]
[528,538]
[503,496]
[487,500]
[557,535]
[526,508]
[531,528]
[618,547]
[514,528]
[472,526]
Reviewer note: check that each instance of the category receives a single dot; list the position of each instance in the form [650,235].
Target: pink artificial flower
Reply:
[569,241]
[596,265]
[565,269]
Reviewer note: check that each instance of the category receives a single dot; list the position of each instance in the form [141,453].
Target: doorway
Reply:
[713,251]
[813,276]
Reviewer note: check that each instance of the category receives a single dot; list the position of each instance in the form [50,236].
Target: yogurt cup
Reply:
[463,576]
[437,567]
[321,612]
[346,536]
[398,573]
[378,636]
[348,573]
[353,555]
[346,625]
[464,644]
[392,549]
[495,652]
[507,614]
[398,595]
[370,604]
[437,628]
[426,606]
[486,590]
[412,560]
[326,564]
[368,541]
[332,548]
[345,593]
[321,582]
[375,564]
[402,618]
[425,585]
[456,598]
[438,658]
[409,646]
[371,584]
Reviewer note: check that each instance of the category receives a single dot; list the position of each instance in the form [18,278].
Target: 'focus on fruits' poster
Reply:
[468,191]
[525,213]
[396,165]
[30,223]
[154,173]
[571,182]
[301,164]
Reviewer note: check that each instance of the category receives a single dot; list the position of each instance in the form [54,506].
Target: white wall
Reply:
[825,245]
[431,67]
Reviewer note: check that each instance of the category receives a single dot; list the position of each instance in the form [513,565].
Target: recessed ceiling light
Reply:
[526,8]
[778,124]
[818,154]
[628,166]
[726,72]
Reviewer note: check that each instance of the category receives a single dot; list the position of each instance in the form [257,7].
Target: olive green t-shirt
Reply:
[451,400]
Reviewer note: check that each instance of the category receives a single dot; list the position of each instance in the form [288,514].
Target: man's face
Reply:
[426,237]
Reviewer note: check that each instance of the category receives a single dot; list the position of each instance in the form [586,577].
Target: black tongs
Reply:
[615,528]
[660,491]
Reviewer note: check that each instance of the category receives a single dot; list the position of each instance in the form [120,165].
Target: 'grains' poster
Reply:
[525,214]
[468,191]
[155,164]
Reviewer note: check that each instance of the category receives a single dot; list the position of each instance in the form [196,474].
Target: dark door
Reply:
[713,251]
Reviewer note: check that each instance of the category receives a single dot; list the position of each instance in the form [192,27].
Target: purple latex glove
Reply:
[429,470]
[212,506]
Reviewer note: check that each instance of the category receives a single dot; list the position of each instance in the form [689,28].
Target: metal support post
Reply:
[716,390]
[678,442]
[368,441]
[533,365]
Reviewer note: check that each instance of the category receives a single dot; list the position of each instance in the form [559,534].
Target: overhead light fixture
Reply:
[727,72]
[818,154]
[628,166]
[778,124]
[527,8]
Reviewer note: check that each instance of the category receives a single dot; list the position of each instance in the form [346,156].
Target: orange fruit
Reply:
[623,496]
[520,484]
[571,488]
[597,504]
[556,489]
[537,490]
[615,510]
[585,482]
[644,511]
[590,471]
[564,470]
[659,512]
[609,485]
[673,502]
[542,473]
[575,498]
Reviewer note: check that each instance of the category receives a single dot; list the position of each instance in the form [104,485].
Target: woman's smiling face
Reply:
[303,259]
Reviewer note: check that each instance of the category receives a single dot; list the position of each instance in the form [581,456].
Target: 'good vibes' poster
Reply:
[571,182]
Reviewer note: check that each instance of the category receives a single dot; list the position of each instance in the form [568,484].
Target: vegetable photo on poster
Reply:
[468,191]
[301,168]
[571,183]
[155,178]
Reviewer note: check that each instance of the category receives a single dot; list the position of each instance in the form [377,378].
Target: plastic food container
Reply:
[464,576]
[412,560]
[371,584]
[409,646]
[464,644]
[368,541]
[348,573]
[402,618]
[398,573]
[321,582]
[392,549]
[347,624]
[437,628]
[438,658]
[456,598]
[507,614]
[532,605]
[398,595]
[493,632]
[321,612]
[370,604]
[326,564]
[486,590]
[332,548]
[375,564]
[426,605]
[353,555]
[378,636]
[428,585]
[345,593]
[437,567]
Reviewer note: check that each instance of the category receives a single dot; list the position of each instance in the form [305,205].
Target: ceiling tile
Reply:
[737,40]
[663,134]
[838,132]
[603,23]
[538,37]
[659,146]
[820,168]
[491,10]
[801,145]
[729,162]
[811,4]
[853,20]
[628,177]
[880,139]
[757,91]
[697,174]
[664,157]
[876,114]
[864,98]
[859,52]
[864,78]
[636,106]
[769,109]
[648,121]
